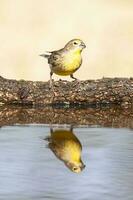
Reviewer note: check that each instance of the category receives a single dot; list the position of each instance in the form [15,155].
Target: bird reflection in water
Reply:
[66,146]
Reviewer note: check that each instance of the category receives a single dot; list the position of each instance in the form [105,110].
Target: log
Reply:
[103,91]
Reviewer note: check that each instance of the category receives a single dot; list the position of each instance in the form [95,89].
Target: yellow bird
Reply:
[67,60]
[66,146]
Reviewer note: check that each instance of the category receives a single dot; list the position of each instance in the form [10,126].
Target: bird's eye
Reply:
[75,43]
[75,168]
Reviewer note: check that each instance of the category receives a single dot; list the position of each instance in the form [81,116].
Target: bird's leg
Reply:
[51,130]
[51,82]
[51,86]
[73,77]
[71,128]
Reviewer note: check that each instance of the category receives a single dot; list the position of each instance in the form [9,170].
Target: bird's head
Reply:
[75,44]
[76,167]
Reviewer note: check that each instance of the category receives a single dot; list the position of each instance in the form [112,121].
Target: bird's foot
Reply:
[75,79]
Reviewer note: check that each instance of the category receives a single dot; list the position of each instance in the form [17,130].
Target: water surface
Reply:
[30,170]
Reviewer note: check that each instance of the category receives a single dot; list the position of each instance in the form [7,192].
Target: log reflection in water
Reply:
[105,116]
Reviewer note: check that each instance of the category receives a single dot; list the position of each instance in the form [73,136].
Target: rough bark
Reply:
[90,92]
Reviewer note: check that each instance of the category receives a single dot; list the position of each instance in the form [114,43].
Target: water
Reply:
[30,170]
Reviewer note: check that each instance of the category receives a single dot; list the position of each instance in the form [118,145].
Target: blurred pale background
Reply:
[30,27]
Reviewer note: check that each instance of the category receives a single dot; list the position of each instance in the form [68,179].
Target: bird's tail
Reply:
[46,54]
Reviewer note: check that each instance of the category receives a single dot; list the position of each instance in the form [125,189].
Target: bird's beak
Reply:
[82,167]
[83,45]
[43,55]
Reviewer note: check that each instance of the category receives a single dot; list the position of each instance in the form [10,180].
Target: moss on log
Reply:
[117,91]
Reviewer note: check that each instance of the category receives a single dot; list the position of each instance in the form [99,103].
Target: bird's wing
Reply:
[54,57]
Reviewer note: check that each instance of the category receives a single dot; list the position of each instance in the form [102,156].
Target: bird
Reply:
[65,61]
[67,148]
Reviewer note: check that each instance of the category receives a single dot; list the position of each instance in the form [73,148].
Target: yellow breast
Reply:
[70,63]
[75,153]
